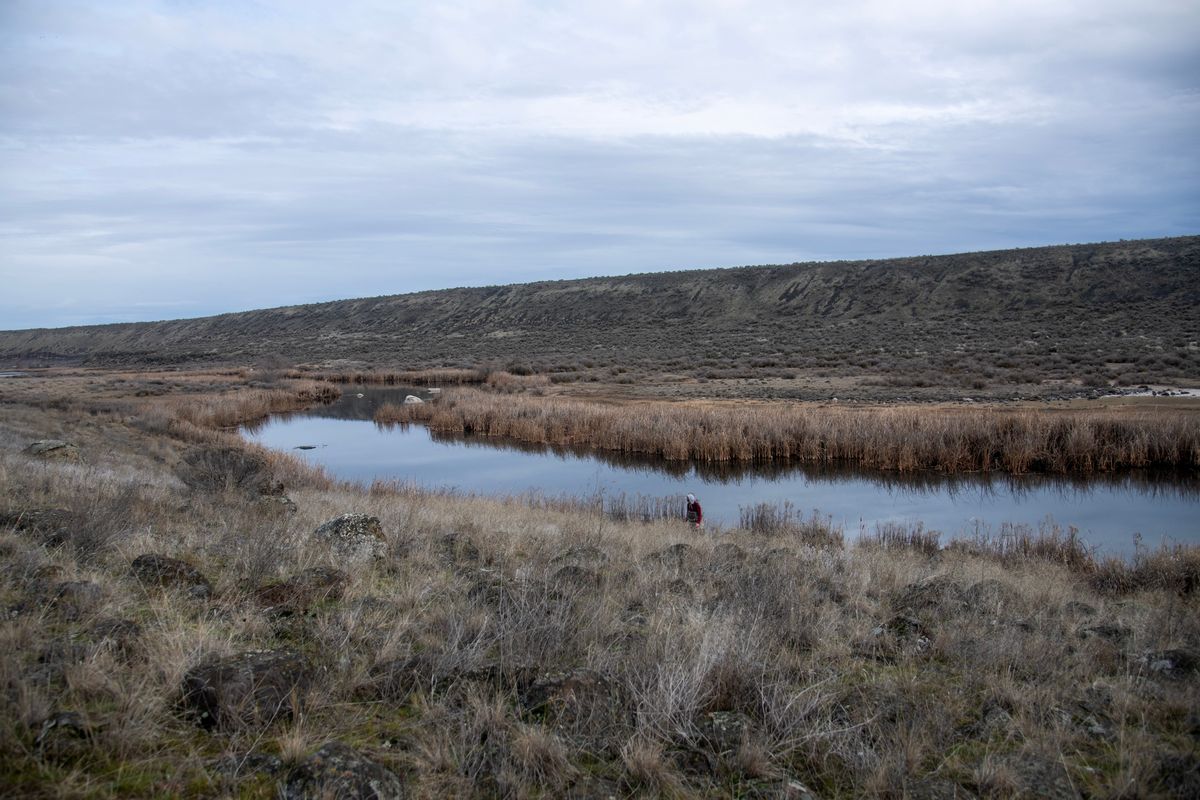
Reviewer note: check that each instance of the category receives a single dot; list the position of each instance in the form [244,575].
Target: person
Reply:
[695,515]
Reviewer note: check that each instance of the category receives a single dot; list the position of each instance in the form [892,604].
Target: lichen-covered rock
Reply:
[724,732]
[303,590]
[339,771]
[249,689]
[153,569]
[53,449]
[357,537]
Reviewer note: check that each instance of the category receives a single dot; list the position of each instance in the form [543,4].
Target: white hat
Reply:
[691,498]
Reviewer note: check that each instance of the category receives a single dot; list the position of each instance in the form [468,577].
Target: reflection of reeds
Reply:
[903,439]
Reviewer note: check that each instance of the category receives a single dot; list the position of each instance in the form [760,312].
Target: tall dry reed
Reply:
[903,439]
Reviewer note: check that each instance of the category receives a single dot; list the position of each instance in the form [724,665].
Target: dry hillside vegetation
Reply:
[1016,323]
[184,617]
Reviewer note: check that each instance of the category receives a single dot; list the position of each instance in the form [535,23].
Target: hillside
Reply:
[1091,313]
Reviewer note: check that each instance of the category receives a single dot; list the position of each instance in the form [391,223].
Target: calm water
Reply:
[1108,511]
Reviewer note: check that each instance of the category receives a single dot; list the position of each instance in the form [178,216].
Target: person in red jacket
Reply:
[695,515]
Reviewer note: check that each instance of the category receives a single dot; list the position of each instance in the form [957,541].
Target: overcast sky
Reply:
[171,158]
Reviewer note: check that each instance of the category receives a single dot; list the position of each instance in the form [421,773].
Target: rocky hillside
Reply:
[1114,309]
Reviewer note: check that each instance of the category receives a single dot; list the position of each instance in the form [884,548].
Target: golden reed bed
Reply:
[905,439]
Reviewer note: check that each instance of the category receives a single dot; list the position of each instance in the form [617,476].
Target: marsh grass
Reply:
[900,439]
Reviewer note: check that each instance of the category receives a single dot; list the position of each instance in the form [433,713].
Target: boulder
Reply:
[248,689]
[303,590]
[49,525]
[153,569]
[357,537]
[53,449]
[412,400]
[338,770]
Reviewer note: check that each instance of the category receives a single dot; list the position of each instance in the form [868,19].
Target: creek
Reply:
[1108,509]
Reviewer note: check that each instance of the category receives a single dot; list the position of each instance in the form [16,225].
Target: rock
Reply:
[339,771]
[1043,777]
[358,537]
[583,554]
[575,577]
[153,569]
[939,594]
[252,763]
[724,732]
[413,400]
[1176,664]
[53,449]
[277,503]
[901,625]
[569,691]
[1075,608]
[399,677]
[303,590]
[121,634]
[63,735]
[991,597]
[455,548]
[933,788]
[1179,774]
[728,552]
[677,556]
[249,689]
[793,789]
[1105,630]
[73,599]
[490,589]
[49,525]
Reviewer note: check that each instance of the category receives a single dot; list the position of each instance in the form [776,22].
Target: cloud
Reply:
[171,158]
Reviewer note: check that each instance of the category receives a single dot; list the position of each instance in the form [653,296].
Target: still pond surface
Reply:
[1108,511]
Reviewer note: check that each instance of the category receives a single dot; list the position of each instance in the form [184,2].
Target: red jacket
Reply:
[694,508]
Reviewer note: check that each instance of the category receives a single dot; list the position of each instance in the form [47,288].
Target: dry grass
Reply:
[904,439]
[446,376]
[688,665]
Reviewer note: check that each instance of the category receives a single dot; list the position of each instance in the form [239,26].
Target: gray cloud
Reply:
[163,159]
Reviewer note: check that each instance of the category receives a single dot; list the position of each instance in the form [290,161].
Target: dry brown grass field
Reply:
[502,648]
